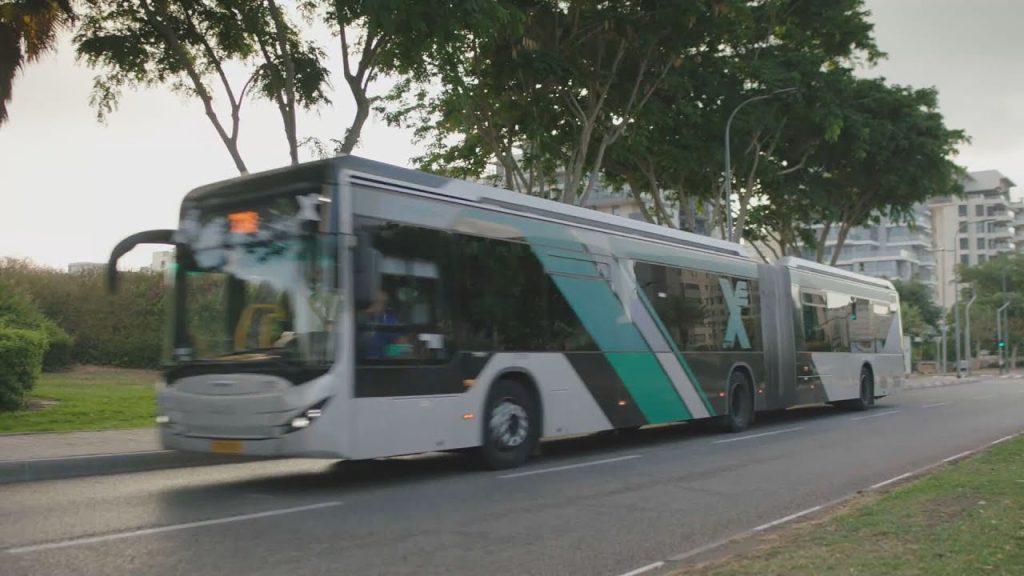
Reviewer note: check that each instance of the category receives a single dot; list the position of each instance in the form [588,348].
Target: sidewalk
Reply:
[68,444]
[47,456]
[931,380]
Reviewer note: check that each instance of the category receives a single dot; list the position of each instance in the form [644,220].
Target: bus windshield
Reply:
[258,283]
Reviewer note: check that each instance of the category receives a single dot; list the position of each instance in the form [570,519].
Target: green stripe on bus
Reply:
[650,386]
[602,314]
[675,350]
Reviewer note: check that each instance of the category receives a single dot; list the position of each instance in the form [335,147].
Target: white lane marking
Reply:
[1003,439]
[985,397]
[890,481]
[958,456]
[785,519]
[877,414]
[643,569]
[80,456]
[569,466]
[936,404]
[168,528]
[761,435]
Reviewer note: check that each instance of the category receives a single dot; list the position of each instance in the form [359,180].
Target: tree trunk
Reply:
[819,252]
[188,64]
[288,111]
[844,230]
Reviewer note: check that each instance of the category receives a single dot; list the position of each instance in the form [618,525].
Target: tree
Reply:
[885,150]
[916,294]
[189,45]
[549,93]
[28,29]
[998,281]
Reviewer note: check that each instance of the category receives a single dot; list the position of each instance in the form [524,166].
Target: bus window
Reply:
[815,321]
[402,313]
[881,321]
[862,337]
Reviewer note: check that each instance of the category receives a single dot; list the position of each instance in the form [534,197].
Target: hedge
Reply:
[21,361]
[126,329]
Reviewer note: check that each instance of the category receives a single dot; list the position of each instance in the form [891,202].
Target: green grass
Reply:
[967,518]
[87,399]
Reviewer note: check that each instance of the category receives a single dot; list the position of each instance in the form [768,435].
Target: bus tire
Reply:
[511,426]
[741,403]
[867,391]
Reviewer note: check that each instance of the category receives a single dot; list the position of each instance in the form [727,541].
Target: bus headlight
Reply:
[308,416]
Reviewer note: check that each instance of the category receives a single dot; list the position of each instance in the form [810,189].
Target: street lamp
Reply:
[728,157]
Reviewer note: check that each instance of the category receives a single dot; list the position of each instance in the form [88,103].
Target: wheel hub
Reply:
[509,424]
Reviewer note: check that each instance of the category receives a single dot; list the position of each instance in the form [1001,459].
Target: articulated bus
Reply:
[351,309]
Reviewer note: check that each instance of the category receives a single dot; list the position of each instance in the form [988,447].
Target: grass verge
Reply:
[967,518]
[87,398]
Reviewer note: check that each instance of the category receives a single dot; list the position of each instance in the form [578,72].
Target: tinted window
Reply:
[507,301]
[815,321]
[696,307]
[881,321]
[862,334]
[403,301]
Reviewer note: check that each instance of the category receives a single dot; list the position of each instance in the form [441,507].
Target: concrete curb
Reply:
[102,464]
[944,382]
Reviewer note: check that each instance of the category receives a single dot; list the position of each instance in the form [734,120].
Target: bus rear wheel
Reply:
[741,403]
[867,391]
[511,426]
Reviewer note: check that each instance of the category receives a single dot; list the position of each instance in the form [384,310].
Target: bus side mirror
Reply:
[126,245]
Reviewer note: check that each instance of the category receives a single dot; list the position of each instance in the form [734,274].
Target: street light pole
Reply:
[728,156]
[967,334]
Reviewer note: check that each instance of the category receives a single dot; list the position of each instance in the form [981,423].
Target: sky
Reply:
[71,187]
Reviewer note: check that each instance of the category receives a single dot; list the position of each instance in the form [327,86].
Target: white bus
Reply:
[351,309]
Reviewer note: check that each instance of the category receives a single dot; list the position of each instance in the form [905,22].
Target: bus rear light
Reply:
[721,394]
[468,383]
[468,416]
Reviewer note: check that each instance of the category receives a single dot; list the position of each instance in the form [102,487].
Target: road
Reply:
[587,506]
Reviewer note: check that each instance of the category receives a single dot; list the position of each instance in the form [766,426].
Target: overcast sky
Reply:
[71,188]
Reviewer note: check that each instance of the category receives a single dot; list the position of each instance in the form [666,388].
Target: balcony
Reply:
[1001,232]
[867,254]
[1000,214]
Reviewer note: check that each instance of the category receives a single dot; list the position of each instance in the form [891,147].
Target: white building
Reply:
[970,230]
[891,250]
[161,261]
[83,267]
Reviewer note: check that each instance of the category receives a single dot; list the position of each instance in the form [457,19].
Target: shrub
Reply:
[61,345]
[18,310]
[21,361]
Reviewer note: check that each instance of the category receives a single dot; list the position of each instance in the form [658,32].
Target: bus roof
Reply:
[318,172]
[794,263]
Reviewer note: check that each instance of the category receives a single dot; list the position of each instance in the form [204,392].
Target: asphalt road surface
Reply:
[608,505]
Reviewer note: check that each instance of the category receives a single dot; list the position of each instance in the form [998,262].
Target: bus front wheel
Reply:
[511,426]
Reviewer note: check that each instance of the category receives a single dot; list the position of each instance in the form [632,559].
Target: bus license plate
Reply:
[226,446]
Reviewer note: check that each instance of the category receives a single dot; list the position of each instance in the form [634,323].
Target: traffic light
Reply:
[1002,343]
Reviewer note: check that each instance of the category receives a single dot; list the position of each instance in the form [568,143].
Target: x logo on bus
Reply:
[735,299]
